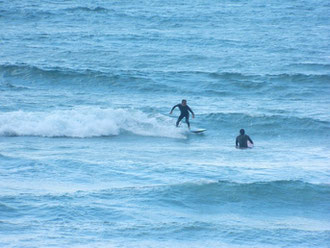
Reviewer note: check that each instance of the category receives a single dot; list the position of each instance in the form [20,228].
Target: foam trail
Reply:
[85,122]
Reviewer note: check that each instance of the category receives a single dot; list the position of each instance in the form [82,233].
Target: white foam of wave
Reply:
[85,122]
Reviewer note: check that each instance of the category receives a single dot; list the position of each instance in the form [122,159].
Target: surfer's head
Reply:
[184,102]
[242,131]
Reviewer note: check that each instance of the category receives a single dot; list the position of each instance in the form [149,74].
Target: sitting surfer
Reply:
[242,140]
[184,108]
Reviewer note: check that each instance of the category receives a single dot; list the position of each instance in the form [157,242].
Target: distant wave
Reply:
[269,123]
[30,70]
[231,76]
[300,78]
[39,12]
[284,85]
[211,83]
[238,77]
[129,80]
[282,77]
[314,66]
[11,87]
[87,9]
[86,122]
[26,14]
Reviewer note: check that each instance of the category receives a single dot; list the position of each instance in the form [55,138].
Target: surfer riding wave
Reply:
[184,109]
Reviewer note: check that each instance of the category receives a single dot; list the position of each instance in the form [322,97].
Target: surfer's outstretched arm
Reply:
[236,142]
[249,139]
[174,108]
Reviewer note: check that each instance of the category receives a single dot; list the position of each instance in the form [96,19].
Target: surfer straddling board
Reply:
[184,108]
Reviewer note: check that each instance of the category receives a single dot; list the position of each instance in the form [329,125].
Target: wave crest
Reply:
[86,122]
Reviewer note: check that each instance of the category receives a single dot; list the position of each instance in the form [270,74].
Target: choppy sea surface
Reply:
[90,157]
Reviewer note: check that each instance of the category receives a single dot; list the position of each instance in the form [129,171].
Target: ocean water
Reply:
[90,157]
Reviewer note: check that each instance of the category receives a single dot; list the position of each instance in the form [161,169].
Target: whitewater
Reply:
[91,157]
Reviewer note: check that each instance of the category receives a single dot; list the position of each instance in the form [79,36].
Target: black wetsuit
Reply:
[242,140]
[184,113]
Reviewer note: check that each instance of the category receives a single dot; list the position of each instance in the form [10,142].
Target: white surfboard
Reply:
[198,130]
[250,145]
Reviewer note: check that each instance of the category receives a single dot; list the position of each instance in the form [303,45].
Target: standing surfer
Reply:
[184,109]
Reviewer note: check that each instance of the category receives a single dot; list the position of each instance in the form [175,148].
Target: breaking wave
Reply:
[86,122]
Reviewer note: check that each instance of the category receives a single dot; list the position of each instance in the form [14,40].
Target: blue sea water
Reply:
[90,157]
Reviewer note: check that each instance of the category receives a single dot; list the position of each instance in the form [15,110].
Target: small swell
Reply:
[295,192]
[269,122]
[87,9]
[56,76]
